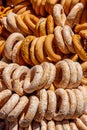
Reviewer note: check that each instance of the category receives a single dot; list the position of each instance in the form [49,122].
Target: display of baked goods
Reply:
[43,65]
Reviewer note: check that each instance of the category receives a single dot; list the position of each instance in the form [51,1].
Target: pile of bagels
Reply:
[43,65]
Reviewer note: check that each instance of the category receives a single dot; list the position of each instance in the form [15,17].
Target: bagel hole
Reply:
[22,77]
[59,74]
[32,73]
[14,44]
[59,101]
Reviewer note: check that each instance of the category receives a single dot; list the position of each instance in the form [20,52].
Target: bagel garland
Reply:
[50,110]
[43,78]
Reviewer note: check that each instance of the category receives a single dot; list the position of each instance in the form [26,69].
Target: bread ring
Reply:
[67,32]
[6,74]
[80,27]
[62,81]
[16,54]
[30,21]
[84,68]
[18,77]
[2,66]
[52,103]
[84,119]
[39,49]
[4,23]
[73,73]
[51,125]
[59,15]
[73,103]
[64,107]
[59,125]
[33,79]
[59,40]
[74,15]
[12,21]
[21,11]
[37,26]
[46,75]
[25,49]
[83,89]
[78,47]
[79,73]
[43,125]
[50,25]
[66,125]
[42,106]
[73,126]
[52,75]
[13,115]
[17,8]
[22,26]
[49,50]
[32,52]
[42,27]
[10,104]
[80,124]
[33,106]
[83,33]
[4,96]
[2,85]
[10,43]
[80,103]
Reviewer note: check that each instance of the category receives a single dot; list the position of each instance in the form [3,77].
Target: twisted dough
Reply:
[68,74]
[46,105]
